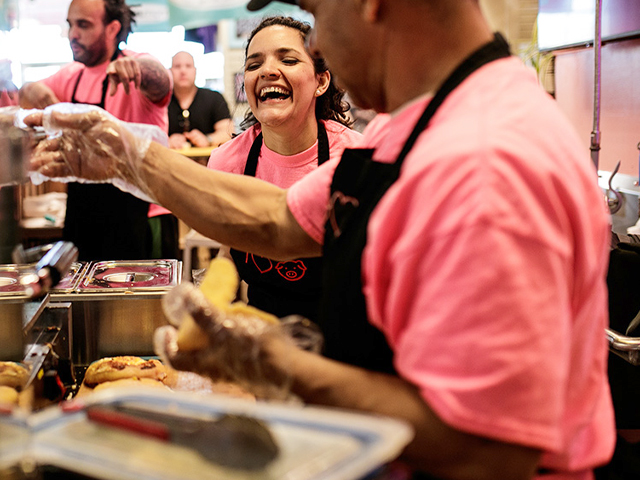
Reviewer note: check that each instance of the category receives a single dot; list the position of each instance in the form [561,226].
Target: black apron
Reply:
[358,185]
[282,288]
[104,222]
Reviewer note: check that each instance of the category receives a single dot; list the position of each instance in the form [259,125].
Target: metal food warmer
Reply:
[116,306]
[110,308]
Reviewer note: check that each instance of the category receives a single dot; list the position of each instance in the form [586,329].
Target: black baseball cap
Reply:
[254,5]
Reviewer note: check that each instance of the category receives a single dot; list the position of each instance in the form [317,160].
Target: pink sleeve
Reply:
[63,81]
[232,156]
[308,199]
[5,101]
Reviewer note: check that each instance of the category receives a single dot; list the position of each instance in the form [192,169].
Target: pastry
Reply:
[110,369]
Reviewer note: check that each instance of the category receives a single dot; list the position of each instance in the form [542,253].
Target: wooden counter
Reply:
[199,154]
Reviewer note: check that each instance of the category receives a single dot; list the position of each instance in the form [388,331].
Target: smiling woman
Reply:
[296,122]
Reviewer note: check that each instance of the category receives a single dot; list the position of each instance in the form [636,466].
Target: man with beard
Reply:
[102,221]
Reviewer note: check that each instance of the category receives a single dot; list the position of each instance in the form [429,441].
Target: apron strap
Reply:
[498,48]
[323,144]
[252,159]
[105,83]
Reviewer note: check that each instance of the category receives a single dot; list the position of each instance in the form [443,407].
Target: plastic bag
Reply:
[234,345]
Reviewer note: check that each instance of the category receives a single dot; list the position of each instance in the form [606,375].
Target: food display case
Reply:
[113,307]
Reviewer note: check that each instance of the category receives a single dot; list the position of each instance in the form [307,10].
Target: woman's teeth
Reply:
[274,93]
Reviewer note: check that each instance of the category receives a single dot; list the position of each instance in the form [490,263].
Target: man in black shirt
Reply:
[197,116]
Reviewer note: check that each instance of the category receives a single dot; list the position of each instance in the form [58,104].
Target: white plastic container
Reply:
[314,443]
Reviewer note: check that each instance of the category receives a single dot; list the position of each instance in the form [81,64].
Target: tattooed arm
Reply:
[156,81]
[147,74]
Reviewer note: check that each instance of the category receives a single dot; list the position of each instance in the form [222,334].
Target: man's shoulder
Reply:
[333,126]
[65,74]
[69,69]
[208,93]
[133,54]
[337,130]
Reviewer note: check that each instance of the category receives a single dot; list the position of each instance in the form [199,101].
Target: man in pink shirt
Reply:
[465,249]
[102,221]
[8,91]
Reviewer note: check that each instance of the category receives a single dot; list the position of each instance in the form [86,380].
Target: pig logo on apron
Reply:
[291,271]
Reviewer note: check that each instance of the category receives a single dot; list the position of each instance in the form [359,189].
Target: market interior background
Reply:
[33,38]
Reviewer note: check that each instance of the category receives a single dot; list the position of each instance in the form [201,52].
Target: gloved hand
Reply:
[86,144]
[235,345]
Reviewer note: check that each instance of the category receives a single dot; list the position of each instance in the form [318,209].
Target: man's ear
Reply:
[113,29]
[369,9]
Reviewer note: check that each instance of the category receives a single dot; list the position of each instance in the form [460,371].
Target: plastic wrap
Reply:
[7,116]
[14,153]
[234,343]
[86,144]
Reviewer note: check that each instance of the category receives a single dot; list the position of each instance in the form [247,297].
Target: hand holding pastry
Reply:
[227,341]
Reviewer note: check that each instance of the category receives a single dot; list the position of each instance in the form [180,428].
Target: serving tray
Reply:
[315,443]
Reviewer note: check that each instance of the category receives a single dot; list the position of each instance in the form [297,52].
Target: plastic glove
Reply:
[86,144]
[235,343]
[15,145]
[7,116]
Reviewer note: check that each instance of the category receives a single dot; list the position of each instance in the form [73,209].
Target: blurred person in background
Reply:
[8,91]
[198,117]
[101,220]
[296,122]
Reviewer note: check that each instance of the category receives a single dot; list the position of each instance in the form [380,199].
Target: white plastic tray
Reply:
[315,443]
[14,439]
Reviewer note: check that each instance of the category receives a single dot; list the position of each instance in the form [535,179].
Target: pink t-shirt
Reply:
[134,107]
[280,170]
[485,267]
[6,101]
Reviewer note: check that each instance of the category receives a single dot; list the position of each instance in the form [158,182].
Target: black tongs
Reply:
[235,441]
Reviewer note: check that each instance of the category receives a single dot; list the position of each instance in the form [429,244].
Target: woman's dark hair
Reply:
[330,105]
[119,10]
